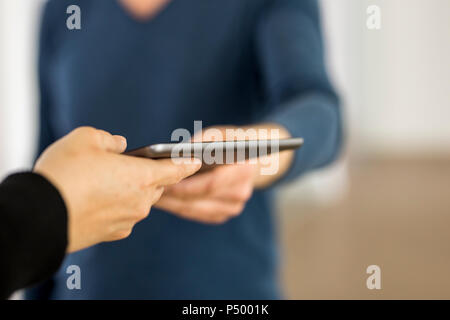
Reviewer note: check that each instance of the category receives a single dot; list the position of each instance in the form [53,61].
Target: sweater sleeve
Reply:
[33,231]
[300,97]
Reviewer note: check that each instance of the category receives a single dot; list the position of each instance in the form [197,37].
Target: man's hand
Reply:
[211,197]
[106,193]
[220,194]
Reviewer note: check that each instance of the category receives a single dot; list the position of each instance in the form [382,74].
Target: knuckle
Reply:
[236,209]
[219,219]
[246,192]
[212,185]
[85,131]
[177,175]
[91,135]
[242,194]
[119,234]
[122,234]
[180,173]
[143,210]
[201,212]
[156,195]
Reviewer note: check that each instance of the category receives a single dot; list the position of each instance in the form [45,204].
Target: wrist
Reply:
[269,169]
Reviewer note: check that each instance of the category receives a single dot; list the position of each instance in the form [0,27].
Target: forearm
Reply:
[315,117]
[282,160]
[300,96]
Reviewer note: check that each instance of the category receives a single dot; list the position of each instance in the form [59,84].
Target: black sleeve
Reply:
[33,231]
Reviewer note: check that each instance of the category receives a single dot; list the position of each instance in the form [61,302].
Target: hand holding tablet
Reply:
[222,191]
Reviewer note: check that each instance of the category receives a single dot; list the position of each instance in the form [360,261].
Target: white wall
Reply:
[406,76]
[18,33]
[395,85]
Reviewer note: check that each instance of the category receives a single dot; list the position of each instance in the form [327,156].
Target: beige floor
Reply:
[396,215]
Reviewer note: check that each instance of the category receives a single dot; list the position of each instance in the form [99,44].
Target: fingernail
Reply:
[122,141]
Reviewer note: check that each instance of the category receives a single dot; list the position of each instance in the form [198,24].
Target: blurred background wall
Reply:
[19,20]
[390,205]
[385,202]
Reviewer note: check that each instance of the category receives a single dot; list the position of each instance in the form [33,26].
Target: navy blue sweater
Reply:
[222,62]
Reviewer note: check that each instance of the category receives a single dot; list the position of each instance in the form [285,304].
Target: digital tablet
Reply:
[220,151]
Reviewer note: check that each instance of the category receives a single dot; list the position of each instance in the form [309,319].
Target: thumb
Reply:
[167,172]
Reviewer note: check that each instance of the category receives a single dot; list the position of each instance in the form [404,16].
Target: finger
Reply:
[197,186]
[156,195]
[219,182]
[241,192]
[123,231]
[108,142]
[167,172]
[121,142]
[200,210]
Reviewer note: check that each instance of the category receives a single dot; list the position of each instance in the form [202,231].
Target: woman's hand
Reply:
[106,193]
